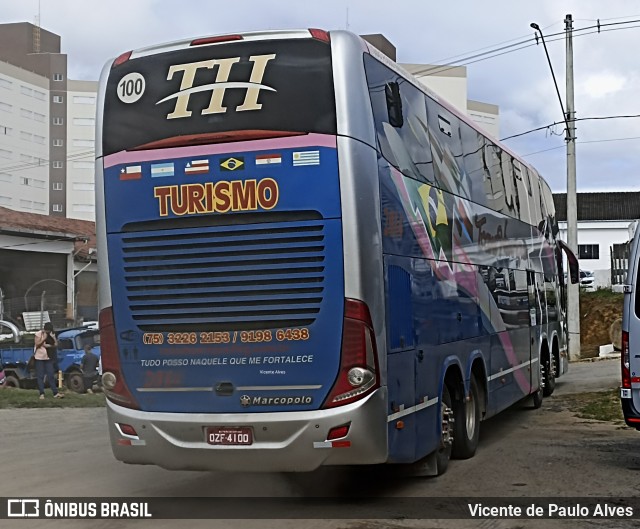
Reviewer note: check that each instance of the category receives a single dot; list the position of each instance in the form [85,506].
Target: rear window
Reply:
[275,85]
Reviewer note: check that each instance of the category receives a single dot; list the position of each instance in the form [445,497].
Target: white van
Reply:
[630,358]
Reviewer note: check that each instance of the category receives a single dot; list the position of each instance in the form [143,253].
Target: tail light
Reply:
[215,40]
[624,361]
[320,34]
[121,59]
[113,383]
[358,375]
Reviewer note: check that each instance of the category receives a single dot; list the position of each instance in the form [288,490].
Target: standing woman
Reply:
[44,363]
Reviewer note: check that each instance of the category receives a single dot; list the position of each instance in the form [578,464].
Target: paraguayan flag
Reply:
[306,158]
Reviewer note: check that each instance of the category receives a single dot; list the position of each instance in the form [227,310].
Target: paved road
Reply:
[522,453]
[590,376]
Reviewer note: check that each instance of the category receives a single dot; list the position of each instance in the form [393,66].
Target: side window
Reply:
[511,203]
[521,182]
[406,146]
[65,344]
[547,198]
[476,172]
[446,150]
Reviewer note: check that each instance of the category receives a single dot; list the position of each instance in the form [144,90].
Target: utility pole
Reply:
[573,302]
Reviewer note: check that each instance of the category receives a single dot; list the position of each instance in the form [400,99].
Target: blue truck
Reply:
[71,343]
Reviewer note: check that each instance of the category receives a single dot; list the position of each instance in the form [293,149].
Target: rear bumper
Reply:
[283,442]
[631,414]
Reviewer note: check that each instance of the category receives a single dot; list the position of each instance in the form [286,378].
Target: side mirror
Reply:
[394,104]
[574,268]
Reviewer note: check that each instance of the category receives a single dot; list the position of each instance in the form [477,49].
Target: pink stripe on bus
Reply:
[308,140]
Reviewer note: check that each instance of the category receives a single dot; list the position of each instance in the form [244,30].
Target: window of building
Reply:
[84,100]
[39,117]
[84,122]
[39,95]
[57,165]
[58,99]
[6,107]
[24,181]
[25,113]
[84,186]
[84,208]
[58,121]
[58,77]
[38,139]
[26,204]
[5,83]
[83,143]
[83,165]
[5,201]
[6,177]
[56,207]
[38,206]
[5,131]
[4,153]
[57,186]
[588,251]
[26,136]
[58,142]
[25,90]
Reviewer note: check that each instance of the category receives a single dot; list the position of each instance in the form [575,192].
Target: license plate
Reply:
[226,435]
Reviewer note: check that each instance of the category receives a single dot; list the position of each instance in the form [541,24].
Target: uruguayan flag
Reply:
[306,158]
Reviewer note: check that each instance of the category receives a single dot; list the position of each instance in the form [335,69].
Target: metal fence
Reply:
[619,262]
[23,311]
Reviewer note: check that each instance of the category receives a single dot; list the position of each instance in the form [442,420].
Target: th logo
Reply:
[217,88]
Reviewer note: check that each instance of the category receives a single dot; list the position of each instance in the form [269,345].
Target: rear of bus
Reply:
[233,334]
[630,357]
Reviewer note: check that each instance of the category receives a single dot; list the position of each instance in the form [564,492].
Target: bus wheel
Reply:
[536,398]
[467,424]
[446,418]
[549,375]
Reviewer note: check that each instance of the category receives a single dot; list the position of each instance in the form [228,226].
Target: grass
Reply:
[28,398]
[603,294]
[598,405]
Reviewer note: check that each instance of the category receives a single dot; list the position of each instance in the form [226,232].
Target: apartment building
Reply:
[46,127]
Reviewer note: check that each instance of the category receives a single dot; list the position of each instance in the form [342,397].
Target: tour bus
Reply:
[630,356]
[309,259]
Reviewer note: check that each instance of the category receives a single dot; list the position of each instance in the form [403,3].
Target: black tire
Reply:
[536,398]
[443,454]
[466,428]
[549,376]
[75,382]
[12,382]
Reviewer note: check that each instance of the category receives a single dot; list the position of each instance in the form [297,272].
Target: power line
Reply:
[582,142]
[522,44]
[595,118]
[42,162]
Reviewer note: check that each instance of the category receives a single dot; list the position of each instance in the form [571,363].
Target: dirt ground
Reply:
[598,311]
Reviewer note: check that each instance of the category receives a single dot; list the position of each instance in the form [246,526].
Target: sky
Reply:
[516,76]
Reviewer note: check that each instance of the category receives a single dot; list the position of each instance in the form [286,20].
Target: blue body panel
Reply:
[222,316]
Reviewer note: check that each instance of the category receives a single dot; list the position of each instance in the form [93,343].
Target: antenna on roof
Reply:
[36,32]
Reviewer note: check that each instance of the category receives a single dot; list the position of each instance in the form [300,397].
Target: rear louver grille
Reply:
[225,277]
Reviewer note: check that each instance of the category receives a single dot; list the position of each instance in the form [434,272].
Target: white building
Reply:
[81,112]
[46,127]
[605,224]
